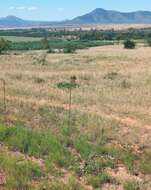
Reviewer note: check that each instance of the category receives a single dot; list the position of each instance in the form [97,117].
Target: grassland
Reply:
[108,143]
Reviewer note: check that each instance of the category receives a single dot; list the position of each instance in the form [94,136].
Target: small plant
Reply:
[50,50]
[125,84]
[129,44]
[131,185]
[19,172]
[39,80]
[98,180]
[42,59]
[111,76]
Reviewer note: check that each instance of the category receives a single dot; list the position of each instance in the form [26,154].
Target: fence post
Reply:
[4,94]
[70,97]
[72,85]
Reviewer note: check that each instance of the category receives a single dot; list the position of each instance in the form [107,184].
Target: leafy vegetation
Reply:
[128,44]
[35,143]
[131,185]
[18,172]
[4,45]
[69,41]
[97,180]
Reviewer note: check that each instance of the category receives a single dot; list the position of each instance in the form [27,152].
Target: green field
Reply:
[21,39]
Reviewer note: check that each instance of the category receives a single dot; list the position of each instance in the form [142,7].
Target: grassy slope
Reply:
[110,128]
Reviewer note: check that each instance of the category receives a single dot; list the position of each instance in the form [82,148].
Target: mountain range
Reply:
[97,16]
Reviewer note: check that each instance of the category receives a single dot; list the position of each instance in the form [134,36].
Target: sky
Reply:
[54,10]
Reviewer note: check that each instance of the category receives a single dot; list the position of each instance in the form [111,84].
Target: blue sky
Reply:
[65,9]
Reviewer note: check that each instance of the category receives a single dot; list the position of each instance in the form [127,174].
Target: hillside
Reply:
[109,17]
[97,16]
[15,22]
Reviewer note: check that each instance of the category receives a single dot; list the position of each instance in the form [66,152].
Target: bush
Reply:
[35,143]
[4,45]
[100,179]
[19,172]
[70,48]
[149,42]
[50,50]
[131,185]
[128,44]
[45,43]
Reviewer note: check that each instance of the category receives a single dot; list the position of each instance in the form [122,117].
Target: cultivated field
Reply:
[108,144]
[20,39]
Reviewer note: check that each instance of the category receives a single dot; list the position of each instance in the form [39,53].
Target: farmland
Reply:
[21,39]
[107,144]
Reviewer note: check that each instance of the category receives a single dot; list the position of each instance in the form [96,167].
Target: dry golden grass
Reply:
[114,84]
[125,98]
[110,26]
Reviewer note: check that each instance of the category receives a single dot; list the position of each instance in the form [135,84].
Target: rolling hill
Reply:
[97,16]
[113,17]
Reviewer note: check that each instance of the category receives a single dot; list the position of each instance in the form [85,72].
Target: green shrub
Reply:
[149,42]
[66,85]
[131,185]
[35,143]
[39,80]
[70,48]
[4,45]
[45,43]
[129,44]
[50,50]
[100,179]
[129,160]
[145,163]
[19,173]
[111,76]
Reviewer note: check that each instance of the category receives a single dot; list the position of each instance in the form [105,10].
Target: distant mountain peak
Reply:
[12,16]
[102,16]
[97,16]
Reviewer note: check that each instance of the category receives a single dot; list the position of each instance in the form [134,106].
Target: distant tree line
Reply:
[80,34]
[68,41]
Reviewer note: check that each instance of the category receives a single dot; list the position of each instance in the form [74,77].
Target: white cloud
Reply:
[11,8]
[32,8]
[21,8]
[60,9]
